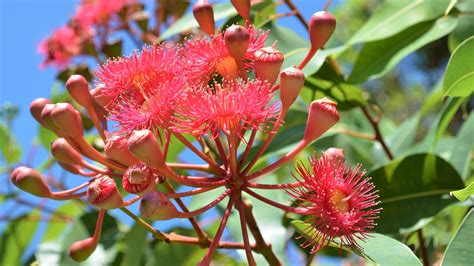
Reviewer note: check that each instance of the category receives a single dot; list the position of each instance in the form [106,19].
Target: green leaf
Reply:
[462,149]
[135,241]
[113,49]
[464,193]
[187,22]
[45,137]
[394,17]
[16,238]
[459,251]
[413,188]
[377,248]
[459,78]
[378,57]
[11,150]
[404,136]
[463,30]
[54,230]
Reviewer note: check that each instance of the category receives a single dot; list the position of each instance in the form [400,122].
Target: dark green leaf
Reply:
[459,78]
[378,57]
[464,193]
[394,17]
[113,49]
[459,251]
[135,241]
[413,188]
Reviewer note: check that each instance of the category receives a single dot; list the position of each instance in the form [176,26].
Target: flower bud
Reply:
[36,107]
[237,40]
[144,146]
[204,15]
[78,88]
[48,120]
[138,179]
[156,206]
[117,150]
[64,152]
[29,180]
[334,154]
[72,168]
[228,68]
[81,250]
[103,193]
[99,97]
[68,119]
[322,116]
[321,26]
[243,7]
[291,83]
[267,63]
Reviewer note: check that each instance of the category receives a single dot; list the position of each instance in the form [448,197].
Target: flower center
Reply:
[340,201]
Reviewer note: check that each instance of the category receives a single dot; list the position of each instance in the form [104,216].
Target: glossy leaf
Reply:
[377,248]
[378,57]
[459,251]
[459,78]
[464,193]
[413,188]
[187,22]
[395,16]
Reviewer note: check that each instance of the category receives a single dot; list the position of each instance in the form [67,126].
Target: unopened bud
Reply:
[267,63]
[321,27]
[73,168]
[36,107]
[228,68]
[78,88]
[48,120]
[99,97]
[334,154]
[138,179]
[322,116]
[117,150]
[237,40]
[145,147]
[64,152]
[103,193]
[29,180]
[243,7]
[291,83]
[204,15]
[81,250]
[68,119]
[156,206]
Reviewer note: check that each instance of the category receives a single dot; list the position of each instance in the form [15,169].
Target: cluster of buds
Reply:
[202,89]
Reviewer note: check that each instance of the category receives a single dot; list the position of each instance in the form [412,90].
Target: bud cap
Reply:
[267,63]
[204,15]
[322,116]
[67,119]
[237,40]
[321,27]
[145,147]
[291,83]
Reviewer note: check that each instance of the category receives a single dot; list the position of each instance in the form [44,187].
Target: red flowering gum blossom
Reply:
[138,179]
[36,107]
[237,40]
[61,47]
[81,250]
[243,7]
[98,95]
[31,181]
[268,63]
[116,149]
[338,199]
[145,147]
[321,27]
[334,154]
[232,107]
[67,119]
[103,193]
[64,152]
[291,83]
[204,15]
[322,116]
[156,206]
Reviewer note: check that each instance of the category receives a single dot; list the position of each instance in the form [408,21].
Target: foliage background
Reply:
[398,64]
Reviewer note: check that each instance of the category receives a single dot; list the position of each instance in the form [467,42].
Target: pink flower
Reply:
[205,58]
[338,199]
[59,49]
[138,73]
[233,106]
[96,12]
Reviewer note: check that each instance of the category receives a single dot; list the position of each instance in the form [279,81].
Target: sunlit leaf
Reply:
[459,251]
[459,78]
[464,193]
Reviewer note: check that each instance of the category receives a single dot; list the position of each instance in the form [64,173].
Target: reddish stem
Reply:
[207,207]
[273,186]
[274,203]
[68,194]
[243,158]
[245,235]
[221,151]
[185,166]
[189,193]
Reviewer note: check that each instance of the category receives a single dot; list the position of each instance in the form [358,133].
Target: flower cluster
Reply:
[226,90]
